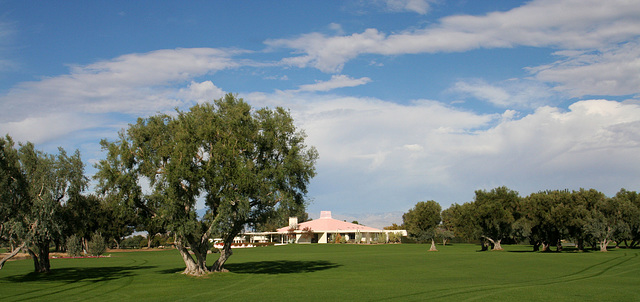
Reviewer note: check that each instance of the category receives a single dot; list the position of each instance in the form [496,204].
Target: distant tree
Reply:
[462,221]
[394,226]
[629,204]
[579,213]
[14,200]
[607,218]
[97,246]
[495,213]
[544,218]
[49,180]
[244,163]
[74,246]
[444,234]
[422,220]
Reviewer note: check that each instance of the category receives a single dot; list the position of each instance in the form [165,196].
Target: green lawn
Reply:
[337,272]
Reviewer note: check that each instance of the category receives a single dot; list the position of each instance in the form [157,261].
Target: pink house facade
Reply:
[322,230]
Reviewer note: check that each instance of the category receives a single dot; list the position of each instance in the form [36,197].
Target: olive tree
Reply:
[244,164]
[45,183]
[495,214]
[422,221]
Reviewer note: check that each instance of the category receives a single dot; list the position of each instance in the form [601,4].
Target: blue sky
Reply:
[406,100]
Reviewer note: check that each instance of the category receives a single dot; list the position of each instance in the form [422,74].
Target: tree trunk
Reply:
[13,253]
[117,243]
[225,253]
[43,255]
[603,245]
[495,243]
[36,263]
[433,246]
[545,247]
[149,241]
[581,244]
[192,267]
[497,246]
[559,246]
[536,246]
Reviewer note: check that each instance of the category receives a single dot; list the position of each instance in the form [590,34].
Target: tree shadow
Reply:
[280,267]
[76,274]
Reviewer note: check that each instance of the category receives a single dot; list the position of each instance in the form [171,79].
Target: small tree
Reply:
[307,233]
[394,237]
[422,221]
[97,246]
[74,246]
[444,234]
[358,237]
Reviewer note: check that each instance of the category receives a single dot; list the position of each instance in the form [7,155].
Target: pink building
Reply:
[322,230]
[325,228]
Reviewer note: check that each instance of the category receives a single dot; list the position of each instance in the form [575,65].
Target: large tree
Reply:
[244,164]
[49,181]
[544,218]
[495,212]
[422,221]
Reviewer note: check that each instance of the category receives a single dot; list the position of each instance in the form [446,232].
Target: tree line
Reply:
[544,219]
[250,167]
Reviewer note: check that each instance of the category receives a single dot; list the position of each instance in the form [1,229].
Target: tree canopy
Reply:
[422,221]
[38,185]
[243,164]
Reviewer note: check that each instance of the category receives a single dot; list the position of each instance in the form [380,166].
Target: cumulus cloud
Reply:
[568,24]
[201,92]
[612,71]
[133,84]
[336,81]
[43,128]
[427,150]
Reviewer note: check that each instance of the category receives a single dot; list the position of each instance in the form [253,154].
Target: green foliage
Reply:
[133,242]
[495,212]
[74,246]
[36,187]
[381,238]
[248,165]
[422,220]
[395,237]
[97,246]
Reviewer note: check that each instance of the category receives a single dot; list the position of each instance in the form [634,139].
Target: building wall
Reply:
[323,238]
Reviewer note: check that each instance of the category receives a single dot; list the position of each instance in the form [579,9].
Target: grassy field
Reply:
[337,272]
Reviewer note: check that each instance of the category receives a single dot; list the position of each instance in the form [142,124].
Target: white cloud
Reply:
[568,24]
[373,150]
[201,92]
[41,129]
[612,71]
[513,93]
[336,81]
[416,6]
[135,84]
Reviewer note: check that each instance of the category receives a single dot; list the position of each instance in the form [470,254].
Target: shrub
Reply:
[97,246]
[133,242]
[395,237]
[74,246]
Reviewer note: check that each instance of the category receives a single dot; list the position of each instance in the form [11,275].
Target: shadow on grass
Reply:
[76,274]
[280,267]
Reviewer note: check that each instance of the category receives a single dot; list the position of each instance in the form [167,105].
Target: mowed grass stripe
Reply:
[406,272]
